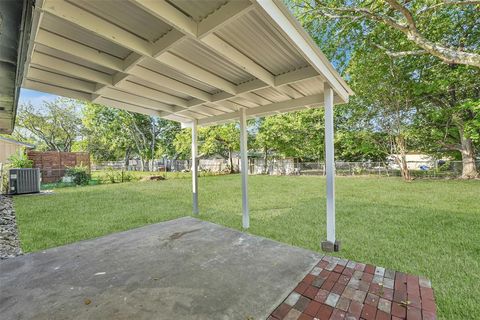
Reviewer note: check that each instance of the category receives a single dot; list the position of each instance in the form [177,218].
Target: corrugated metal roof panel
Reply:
[309,87]
[127,16]
[244,102]
[42,68]
[68,30]
[207,59]
[206,110]
[272,95]
[157,87]
[255,98]
[260,33]
[161,68]
[261,42]
[72,59]
[290,92]
[192,114]
[219,107]
[198,9]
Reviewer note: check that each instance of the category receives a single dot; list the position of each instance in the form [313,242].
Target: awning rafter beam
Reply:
[144,49]
[230,11]
[148,75]
[182,27]
[122,82]
[122,67]
[306,73]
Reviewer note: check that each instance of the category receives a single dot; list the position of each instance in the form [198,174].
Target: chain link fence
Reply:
[117,171]
[419,169]
[426,169]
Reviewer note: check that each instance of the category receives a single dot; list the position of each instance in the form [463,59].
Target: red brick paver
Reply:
[341,289]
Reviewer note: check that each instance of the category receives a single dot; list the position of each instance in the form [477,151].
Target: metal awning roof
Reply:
[181,60]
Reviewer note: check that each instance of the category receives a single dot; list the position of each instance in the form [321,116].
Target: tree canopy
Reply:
[413,65]
[54,126]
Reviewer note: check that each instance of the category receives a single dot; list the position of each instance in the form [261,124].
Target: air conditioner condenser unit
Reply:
[25,180]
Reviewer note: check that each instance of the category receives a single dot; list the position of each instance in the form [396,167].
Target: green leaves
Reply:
[471,110]
[215,140]
[113,134]
[53,126]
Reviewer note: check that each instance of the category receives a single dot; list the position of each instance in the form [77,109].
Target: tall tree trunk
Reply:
[265,159]
[402,157]
[127,158]
[469,167]
[152,145]
[230,159]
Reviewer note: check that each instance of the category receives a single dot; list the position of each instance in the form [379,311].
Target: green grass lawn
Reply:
[426,227]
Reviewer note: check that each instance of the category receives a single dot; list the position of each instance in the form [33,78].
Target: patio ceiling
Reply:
[178,59]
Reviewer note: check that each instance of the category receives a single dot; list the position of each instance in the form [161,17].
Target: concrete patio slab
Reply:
[180,269]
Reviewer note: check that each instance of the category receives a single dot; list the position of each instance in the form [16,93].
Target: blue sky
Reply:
[36,98]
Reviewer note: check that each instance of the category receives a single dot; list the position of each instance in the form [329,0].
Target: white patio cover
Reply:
[202,62]
[179,59]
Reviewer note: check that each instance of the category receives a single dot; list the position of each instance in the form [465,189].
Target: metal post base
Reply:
[329,246]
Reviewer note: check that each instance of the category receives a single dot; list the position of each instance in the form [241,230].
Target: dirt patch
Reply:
[153,178]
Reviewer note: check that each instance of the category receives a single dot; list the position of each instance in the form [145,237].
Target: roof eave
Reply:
[285,20]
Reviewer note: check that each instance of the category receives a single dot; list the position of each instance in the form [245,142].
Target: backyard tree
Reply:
[183,144]
[167,131]
[222,140]
[446,29]
[112,134]
[269,136]
[295,134]
[54,126]
[144,132]
[105,138]
[449,118]
[435,43]
[389,98]
[357,136]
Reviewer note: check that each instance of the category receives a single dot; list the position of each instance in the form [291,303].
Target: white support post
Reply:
[330,168]
[195,167]
[244,167]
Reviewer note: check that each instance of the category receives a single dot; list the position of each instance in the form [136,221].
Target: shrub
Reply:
[117,176]
[79,174]
[20,160]
[3,179]
[126,176]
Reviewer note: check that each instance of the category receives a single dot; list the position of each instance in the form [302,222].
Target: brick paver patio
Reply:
[341,289]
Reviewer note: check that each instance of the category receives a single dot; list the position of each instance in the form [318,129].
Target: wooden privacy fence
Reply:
[53,164]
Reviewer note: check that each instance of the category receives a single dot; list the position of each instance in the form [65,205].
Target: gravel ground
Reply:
[9,240]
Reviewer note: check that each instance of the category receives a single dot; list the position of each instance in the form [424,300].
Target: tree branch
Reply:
[451,146]
[359,11]
[449,3]
[405,12]
[446,54]
[399,54]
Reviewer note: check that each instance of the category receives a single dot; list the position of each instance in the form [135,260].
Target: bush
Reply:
[79,175]
[20,160]
[3,179]
[117,176]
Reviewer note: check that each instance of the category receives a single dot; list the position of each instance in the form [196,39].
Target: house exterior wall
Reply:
[7,149]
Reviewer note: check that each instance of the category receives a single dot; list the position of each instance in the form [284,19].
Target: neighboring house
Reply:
[415,161]
[9,146]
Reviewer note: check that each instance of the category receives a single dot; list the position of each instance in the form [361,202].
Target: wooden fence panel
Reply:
[53,164]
